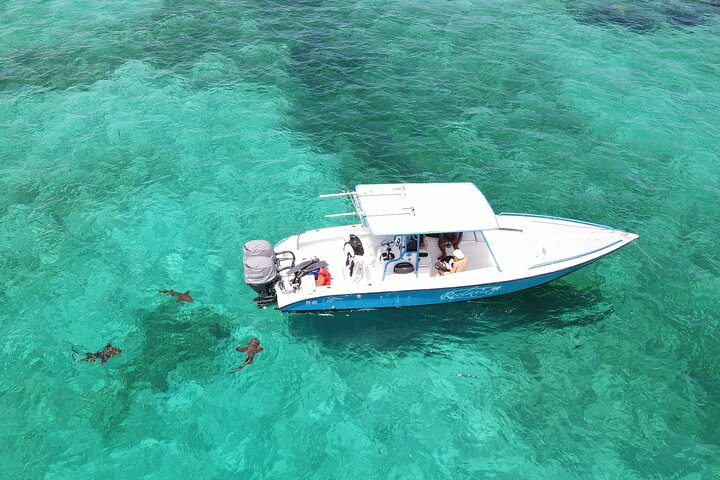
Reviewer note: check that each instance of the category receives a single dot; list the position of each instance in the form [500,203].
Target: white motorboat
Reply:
[392,258]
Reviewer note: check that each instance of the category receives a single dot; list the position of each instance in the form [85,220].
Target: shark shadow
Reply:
[170,345]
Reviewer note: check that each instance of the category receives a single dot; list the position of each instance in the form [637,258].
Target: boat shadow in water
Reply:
[553,306]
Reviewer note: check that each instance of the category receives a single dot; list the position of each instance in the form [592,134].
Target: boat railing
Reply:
[359,212]
[552,262]
[405,211]
[549,217]
[487,244]
[396,191]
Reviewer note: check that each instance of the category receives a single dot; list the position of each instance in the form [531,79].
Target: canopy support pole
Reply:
[491,252]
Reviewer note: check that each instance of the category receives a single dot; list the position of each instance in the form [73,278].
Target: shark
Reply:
[251,349]
[104,355]
[182,297]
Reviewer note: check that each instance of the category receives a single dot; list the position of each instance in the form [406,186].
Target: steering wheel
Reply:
[387,244]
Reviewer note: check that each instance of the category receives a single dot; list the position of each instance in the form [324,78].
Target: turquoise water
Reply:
[143,142]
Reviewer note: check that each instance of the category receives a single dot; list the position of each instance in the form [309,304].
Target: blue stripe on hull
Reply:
[412,298]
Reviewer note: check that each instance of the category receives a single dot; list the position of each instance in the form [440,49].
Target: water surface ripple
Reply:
[143,142]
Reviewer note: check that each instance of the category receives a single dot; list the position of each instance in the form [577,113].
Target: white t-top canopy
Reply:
[405,208]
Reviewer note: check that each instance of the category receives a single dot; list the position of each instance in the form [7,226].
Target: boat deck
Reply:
[328,245]
[520,245]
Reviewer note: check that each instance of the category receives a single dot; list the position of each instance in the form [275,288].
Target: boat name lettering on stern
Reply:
[325,300]
[466,293]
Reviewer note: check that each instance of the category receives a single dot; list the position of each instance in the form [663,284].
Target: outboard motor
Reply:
[261,270]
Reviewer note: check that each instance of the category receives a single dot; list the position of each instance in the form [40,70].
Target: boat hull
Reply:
[410,298]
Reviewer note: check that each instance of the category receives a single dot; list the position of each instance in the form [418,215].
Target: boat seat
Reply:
[425,258]
[403,267]
[360,270]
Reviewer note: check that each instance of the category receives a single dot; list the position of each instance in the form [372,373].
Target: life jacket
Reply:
[323,277]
